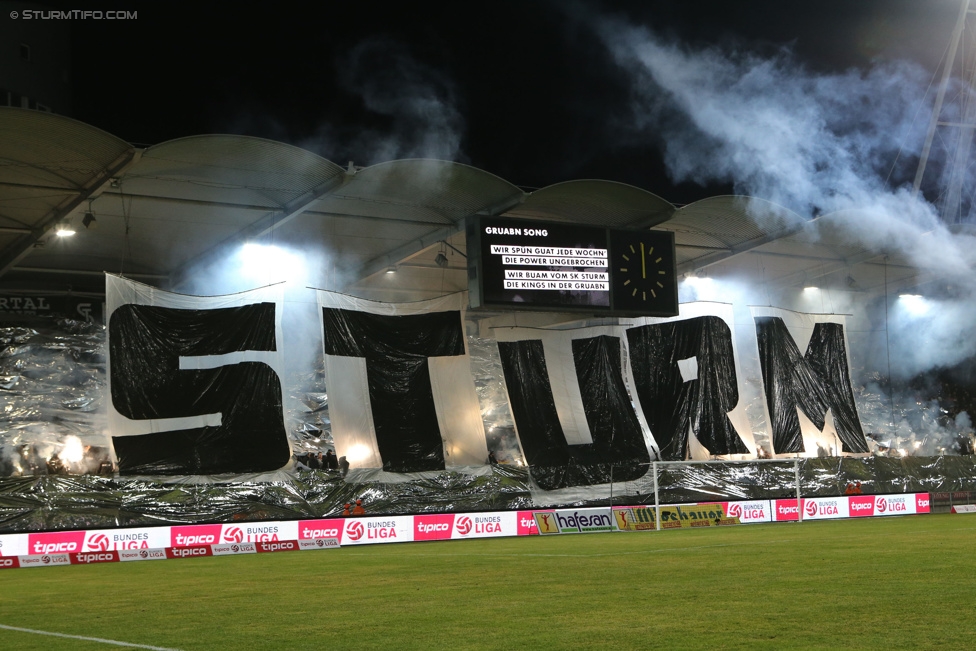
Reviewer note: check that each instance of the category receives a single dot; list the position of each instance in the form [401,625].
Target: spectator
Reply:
[331,461]
[359,510]
[345,511]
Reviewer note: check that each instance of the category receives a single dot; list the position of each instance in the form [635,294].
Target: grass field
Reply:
[873,583]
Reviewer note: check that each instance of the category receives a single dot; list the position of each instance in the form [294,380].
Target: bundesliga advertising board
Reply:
[192,541]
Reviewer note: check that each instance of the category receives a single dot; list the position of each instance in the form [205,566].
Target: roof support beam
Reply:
[745,247]
[414,247]
[23,246]
[270,209]
[824,269]
[84,272]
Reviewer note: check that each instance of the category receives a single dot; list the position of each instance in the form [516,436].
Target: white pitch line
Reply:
[661,550]
[87,639]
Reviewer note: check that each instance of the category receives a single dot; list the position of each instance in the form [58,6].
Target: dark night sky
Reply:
[536,92]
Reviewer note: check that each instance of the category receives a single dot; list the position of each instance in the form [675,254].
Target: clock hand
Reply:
[643,263]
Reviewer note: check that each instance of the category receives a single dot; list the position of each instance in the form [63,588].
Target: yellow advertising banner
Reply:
[703,515]
[635,518]
[546,522]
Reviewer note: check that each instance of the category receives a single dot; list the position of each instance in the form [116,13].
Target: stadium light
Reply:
[914,304]
[271,263]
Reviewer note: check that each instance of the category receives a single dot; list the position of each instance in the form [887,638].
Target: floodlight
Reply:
[915,304]
[441,261]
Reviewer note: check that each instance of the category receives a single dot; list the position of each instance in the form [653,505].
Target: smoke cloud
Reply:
[816,143]
[840,149]
[411,110]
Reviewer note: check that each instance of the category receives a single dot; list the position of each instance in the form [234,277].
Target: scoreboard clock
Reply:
[642,272]
[531,265]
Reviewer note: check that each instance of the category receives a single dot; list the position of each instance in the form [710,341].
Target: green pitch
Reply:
[878,583]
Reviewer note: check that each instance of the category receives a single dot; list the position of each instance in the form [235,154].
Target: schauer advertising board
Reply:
[533,265]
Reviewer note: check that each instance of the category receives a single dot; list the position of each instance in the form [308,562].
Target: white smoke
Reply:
[816,143]
[840,149]
[417,104]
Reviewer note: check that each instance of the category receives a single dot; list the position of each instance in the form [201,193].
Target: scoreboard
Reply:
[533,265]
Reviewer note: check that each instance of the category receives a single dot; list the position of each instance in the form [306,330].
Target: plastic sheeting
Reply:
[572,411]
[190,392]
[815,383]
[52,389]
[674,405]
[58,502]
[402,395]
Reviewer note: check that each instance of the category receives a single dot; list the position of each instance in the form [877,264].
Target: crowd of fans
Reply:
[320,461]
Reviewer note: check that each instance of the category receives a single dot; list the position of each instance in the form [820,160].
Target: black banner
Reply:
[145,346]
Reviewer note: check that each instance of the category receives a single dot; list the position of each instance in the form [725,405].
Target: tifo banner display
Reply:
[195,386]
[813,382]
[195,381]
[401,395]
[694,516]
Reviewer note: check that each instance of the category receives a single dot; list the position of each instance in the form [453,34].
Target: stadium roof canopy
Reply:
[163,211]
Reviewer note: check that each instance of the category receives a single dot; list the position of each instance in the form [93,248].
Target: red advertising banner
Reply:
[433,527]
[860,506]
[785,511]
[332,528]
[922,503]
[265,547]
[189,552]
[55,542]
[194,535]
[526,524]
[86,558]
